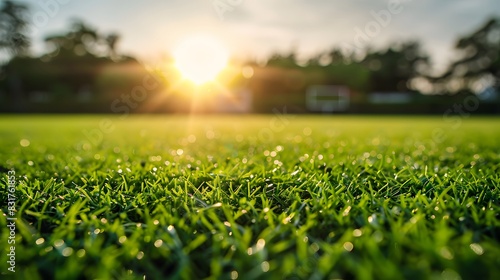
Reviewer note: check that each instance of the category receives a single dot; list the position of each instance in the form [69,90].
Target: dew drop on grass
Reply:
[260,244]
[265,266]
[446,253]
[68,251]
[478,249]
[346,211]
[81,253]
[59,243]
[24,142]
[348,246]
[122,239]
[158,243]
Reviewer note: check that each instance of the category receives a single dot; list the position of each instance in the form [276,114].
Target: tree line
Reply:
[82,69]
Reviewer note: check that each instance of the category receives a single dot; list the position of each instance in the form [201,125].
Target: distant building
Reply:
[327,98]
[390,97]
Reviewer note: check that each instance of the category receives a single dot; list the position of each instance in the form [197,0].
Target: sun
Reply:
[200,58]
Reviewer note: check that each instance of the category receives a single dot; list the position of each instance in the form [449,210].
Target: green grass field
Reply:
[252,197]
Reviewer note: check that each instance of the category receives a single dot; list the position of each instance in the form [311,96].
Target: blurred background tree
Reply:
[13,43]
[392,69]
[13,28]
[478,64]
[282,60]
[82,70]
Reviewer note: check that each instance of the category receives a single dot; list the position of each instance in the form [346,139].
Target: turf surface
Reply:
[252,197]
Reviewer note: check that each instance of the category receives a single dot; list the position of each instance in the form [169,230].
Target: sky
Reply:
[151,29]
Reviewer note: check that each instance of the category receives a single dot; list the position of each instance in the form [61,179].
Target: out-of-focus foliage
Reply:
[392,69]
[478,61]
[13,24]
[82,71]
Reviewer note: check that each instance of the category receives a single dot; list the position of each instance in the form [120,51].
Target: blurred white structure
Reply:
[390,97]
[327,98]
